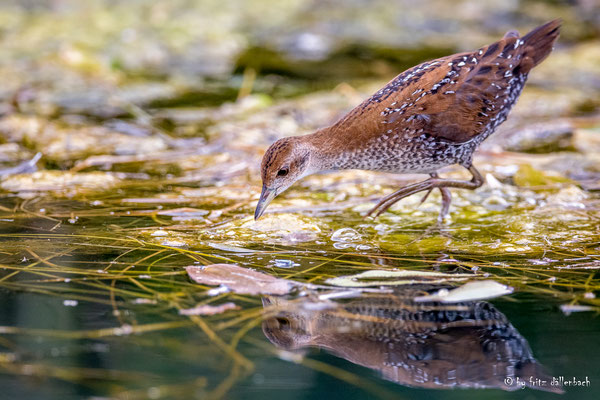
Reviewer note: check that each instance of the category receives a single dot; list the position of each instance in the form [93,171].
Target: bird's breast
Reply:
[402,152]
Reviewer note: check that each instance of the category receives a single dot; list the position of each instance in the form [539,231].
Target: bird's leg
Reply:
[430,184]
[446,198]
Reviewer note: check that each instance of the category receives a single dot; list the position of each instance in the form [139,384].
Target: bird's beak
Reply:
[265,198]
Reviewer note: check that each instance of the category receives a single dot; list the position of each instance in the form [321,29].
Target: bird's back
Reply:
[436,113]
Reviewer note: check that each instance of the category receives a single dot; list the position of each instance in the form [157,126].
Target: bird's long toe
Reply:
[393,198]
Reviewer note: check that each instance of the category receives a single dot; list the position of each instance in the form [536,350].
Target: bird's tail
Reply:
[538,43]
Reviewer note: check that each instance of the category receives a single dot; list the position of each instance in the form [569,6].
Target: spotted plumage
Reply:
[430,116]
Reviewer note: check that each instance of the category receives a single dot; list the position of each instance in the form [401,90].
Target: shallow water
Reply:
[90,304]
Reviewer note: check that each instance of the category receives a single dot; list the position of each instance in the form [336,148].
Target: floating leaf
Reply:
[233,249]
[208,309]
[567,309]
[240,280]
[184,213]
[474,290]
[392,278]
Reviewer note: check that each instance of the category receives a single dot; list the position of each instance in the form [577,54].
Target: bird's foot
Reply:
[428,185]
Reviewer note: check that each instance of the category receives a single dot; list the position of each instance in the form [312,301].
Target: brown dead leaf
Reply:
[240,280]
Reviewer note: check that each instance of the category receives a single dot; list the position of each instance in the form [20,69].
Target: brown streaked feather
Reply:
[454,98]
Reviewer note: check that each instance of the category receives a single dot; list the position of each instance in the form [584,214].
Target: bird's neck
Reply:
[327,150]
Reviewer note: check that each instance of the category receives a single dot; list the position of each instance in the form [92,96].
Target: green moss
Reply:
[349,62]
[528,176]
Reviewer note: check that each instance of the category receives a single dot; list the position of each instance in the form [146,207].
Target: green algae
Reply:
[353,62]
[527,176]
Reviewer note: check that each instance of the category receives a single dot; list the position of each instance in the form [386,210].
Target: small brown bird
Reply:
[428,117]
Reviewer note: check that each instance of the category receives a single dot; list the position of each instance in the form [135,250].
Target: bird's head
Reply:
[286,161]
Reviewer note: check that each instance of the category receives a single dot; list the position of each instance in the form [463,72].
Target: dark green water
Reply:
[565,345]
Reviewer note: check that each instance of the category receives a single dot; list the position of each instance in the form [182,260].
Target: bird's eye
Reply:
[284,323]
[282,172]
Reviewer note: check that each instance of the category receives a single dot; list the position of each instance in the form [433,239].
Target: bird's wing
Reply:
[455,98]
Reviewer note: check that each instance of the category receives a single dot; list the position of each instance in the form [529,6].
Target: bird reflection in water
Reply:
[428,345]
